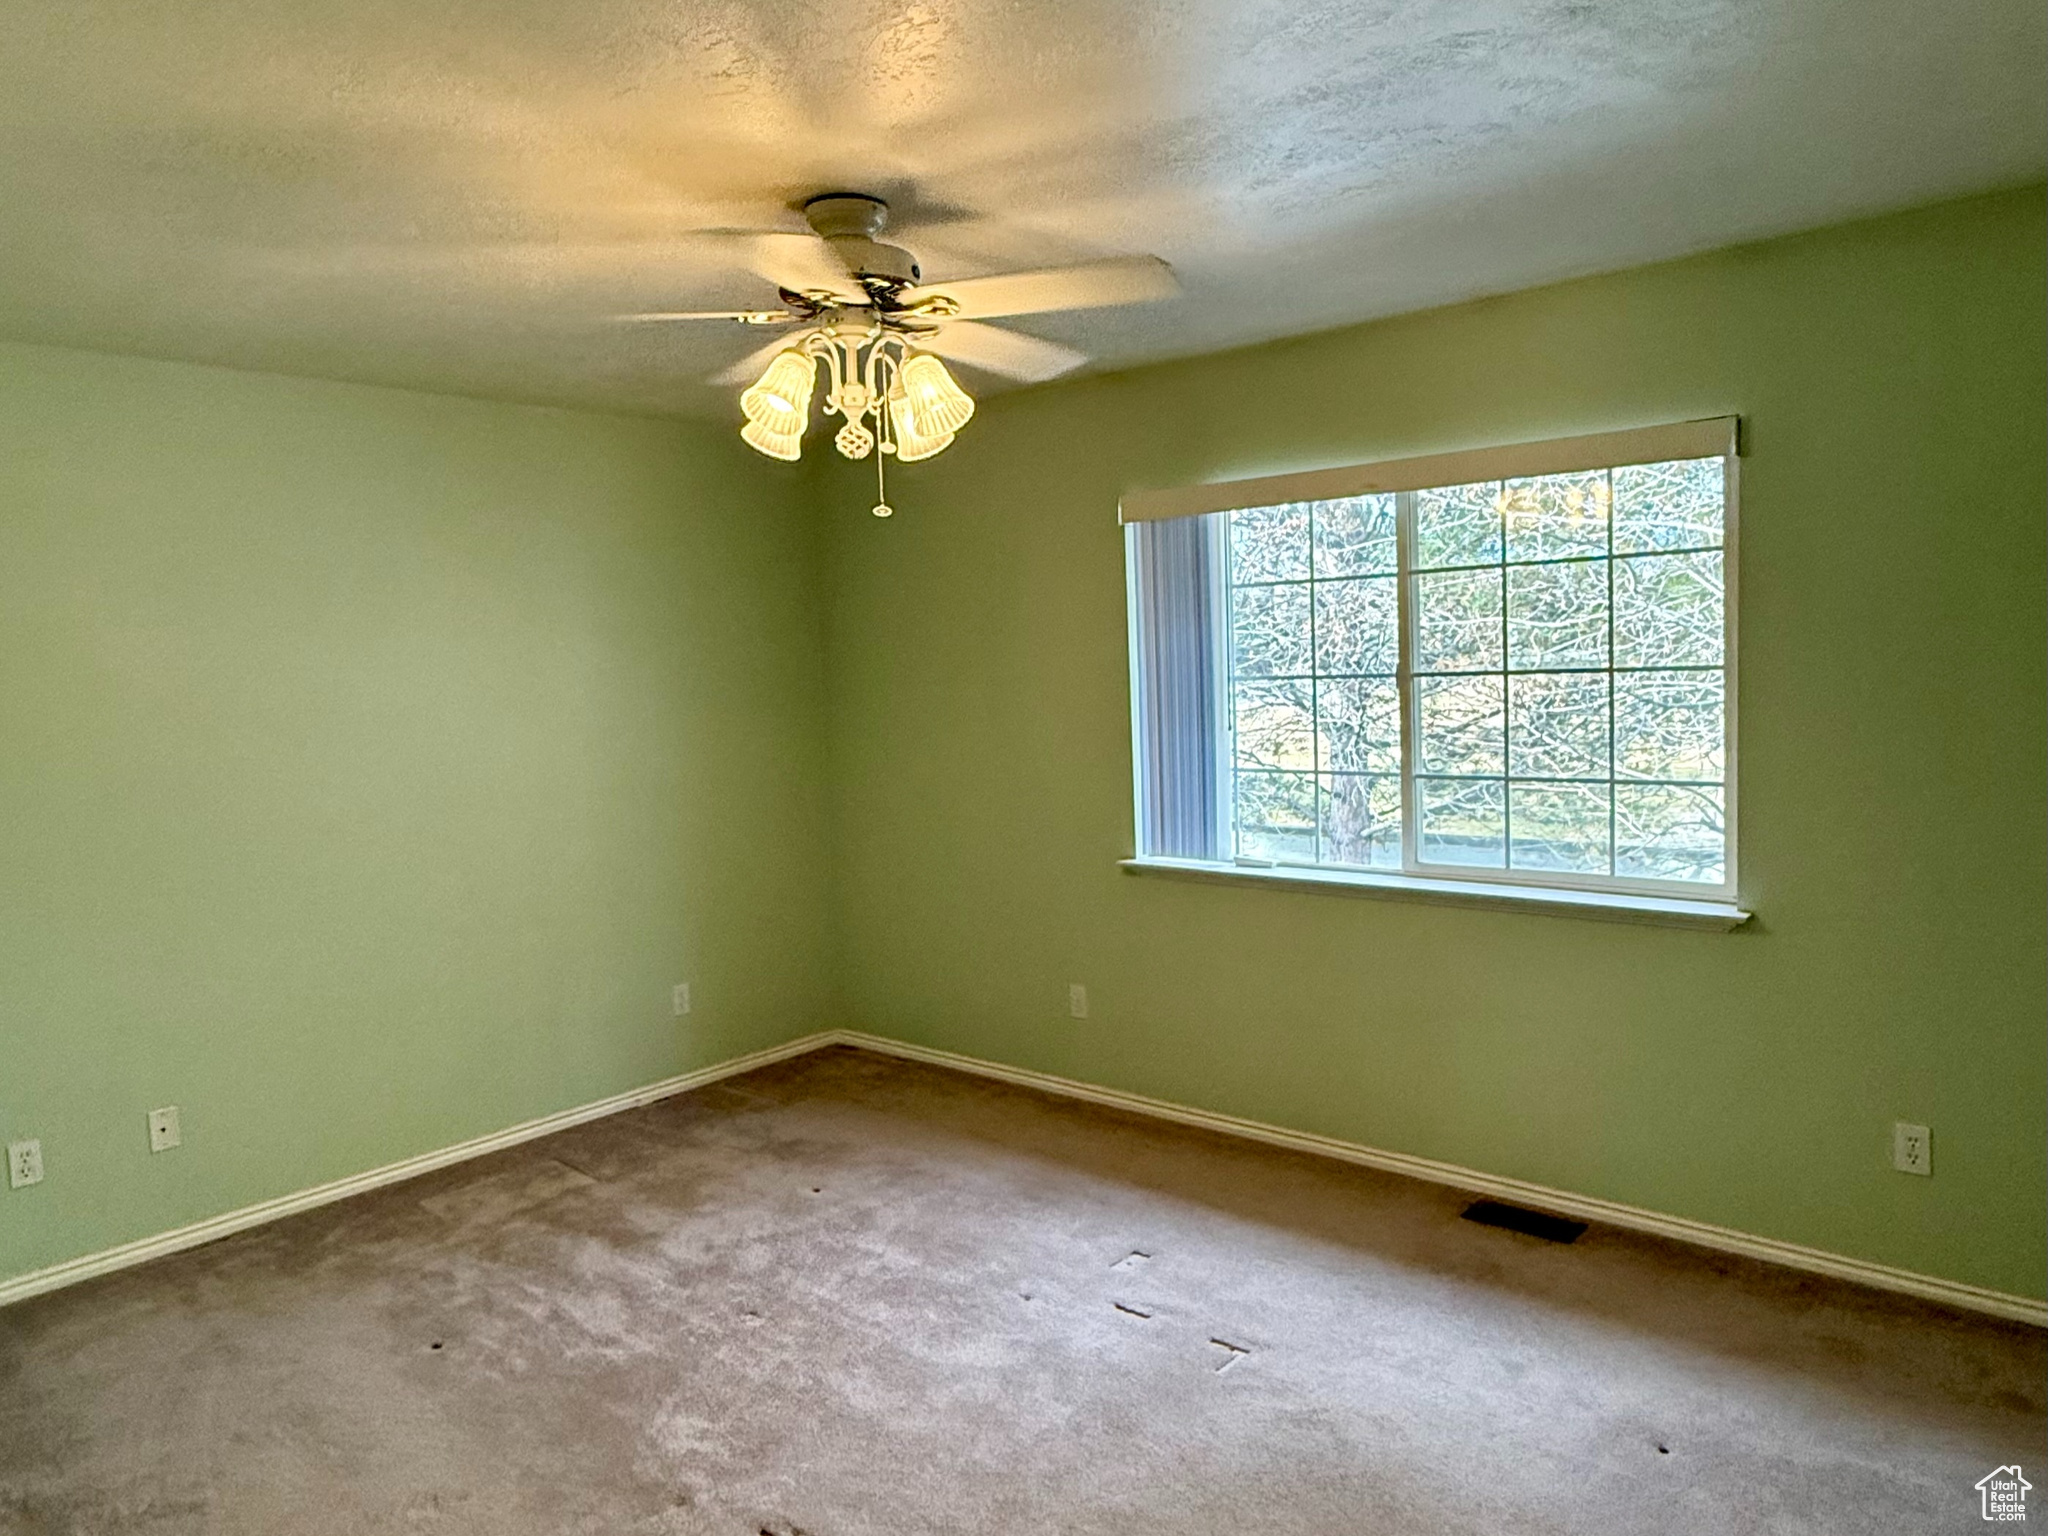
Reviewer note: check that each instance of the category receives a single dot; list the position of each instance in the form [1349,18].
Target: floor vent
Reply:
[1553,1229]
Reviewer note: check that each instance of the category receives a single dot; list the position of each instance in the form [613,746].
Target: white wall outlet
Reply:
[680,998]
[24,1163]
[1912,1148]
[163,1128]
[1077,1000]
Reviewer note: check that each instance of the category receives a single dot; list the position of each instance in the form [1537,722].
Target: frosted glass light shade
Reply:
[912,443]
[777,445]
[937,405]
[781,401]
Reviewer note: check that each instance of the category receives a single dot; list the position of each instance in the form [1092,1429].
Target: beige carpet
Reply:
[850,1297]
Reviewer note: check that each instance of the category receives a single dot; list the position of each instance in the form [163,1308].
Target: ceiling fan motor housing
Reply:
[850,221]
[872,258]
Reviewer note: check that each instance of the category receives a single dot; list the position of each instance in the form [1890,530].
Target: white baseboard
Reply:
[142,1250]
[2024,1309]
[1975,1298]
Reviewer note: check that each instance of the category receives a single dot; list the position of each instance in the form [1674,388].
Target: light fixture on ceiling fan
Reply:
[879,338]
[874,372]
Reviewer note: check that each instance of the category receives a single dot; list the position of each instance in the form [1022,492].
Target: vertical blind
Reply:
[1179,674]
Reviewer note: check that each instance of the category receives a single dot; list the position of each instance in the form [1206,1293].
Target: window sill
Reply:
[1670,911]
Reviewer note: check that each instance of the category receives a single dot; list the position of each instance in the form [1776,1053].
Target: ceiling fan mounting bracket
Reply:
[933,306]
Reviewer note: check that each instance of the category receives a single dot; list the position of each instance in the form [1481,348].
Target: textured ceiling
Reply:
[455,195]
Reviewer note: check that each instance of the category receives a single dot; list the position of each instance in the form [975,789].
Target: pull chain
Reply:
[881,507]
[884,441]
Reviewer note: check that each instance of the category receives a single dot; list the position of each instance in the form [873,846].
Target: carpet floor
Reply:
[847,1296]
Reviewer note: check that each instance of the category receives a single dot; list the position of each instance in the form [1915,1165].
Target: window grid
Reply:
[1324,773]
[1507,715]
[1508,723]
[1315,710]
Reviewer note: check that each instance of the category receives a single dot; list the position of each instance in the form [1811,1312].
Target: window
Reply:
[1519,677]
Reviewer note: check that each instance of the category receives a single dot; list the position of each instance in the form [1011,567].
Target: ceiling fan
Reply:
[879,333]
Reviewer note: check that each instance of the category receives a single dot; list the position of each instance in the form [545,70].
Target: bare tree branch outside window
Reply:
[1565,691]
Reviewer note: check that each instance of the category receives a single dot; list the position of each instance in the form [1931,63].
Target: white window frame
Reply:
[1715,437]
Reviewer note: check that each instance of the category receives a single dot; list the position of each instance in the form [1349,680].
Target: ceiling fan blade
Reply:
[1010,353]
[748,368]
[743,316]
[1119,280]
[803,264]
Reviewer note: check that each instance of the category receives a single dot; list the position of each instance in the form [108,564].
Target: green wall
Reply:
[371,765]
[1892,758]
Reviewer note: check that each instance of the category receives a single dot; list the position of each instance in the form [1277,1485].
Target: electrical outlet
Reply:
[680,998]
[1912,1148]
[1077,1000]
[24,1163]
[163,1128]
